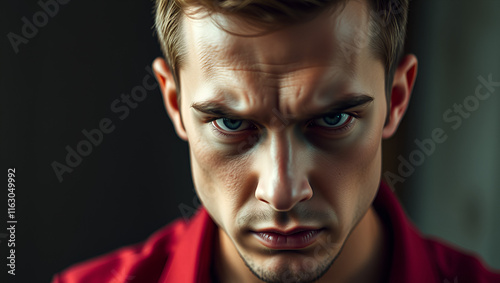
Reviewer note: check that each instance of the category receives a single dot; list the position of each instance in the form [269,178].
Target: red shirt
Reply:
[182,252]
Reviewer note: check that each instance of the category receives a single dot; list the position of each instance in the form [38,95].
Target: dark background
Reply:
[64,81]
[61,82]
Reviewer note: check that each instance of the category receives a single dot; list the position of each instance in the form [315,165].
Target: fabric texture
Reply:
[183,252]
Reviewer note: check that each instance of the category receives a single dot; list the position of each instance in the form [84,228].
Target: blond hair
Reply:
[388,20]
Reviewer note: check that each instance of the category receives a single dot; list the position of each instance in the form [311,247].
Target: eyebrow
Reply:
[219,109]
[350,102]
[214,108]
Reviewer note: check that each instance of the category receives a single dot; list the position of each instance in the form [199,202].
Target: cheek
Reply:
[348,177]
[362,157]
[222,182]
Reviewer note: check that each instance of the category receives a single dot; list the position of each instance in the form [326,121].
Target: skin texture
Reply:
[284,167]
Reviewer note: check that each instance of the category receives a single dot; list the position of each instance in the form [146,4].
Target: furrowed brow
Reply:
[218,109]
[213,108]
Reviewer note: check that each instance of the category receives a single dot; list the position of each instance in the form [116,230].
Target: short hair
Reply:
[388,19]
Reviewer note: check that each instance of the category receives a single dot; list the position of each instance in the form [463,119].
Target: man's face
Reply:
[285,135]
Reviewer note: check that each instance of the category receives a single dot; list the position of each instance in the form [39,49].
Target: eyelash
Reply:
[225,134]
[347,126]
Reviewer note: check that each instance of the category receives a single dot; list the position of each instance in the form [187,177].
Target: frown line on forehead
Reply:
[213,60]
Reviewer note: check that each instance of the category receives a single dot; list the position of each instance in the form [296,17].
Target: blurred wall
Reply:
[451,185]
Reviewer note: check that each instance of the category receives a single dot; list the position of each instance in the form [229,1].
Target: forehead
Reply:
[332,48]
[331,35]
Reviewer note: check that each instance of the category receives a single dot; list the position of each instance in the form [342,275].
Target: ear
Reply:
[402,86]
[169,91]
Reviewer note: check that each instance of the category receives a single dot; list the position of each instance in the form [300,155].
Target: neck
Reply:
[365,256]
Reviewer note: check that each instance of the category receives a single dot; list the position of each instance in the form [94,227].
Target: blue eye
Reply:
[333,121]
[231,125]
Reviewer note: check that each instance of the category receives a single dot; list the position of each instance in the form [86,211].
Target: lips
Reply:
[296,239]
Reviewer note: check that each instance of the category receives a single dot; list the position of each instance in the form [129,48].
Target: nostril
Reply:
[259,196]
[263,200]
[283,197]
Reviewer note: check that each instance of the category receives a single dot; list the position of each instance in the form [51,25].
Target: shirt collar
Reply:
[191,259]
[410,261]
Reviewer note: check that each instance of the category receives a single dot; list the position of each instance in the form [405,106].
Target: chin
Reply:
[289,266]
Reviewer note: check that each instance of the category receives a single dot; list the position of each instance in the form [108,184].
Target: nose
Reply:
[282,173]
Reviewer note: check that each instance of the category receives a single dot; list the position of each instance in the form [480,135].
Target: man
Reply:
[284,105]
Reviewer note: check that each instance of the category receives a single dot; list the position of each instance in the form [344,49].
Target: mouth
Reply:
[298,238]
